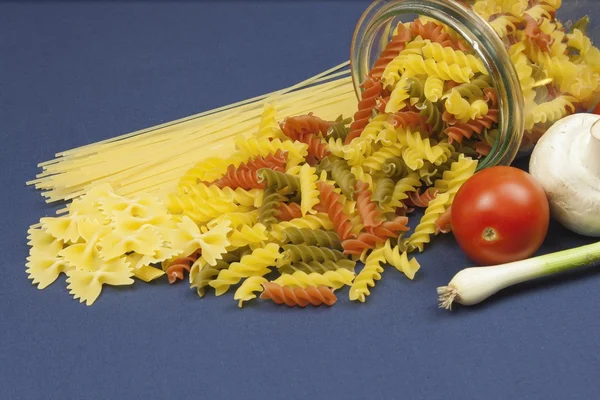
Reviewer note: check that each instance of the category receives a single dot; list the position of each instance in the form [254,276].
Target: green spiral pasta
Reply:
[433,116]
[472,90]
[293,253]
[279,180]
[319,267]
[343,176]
[384,189]
[414,88]
[202,273]
[340,129]
[268,210]
[394,167]
[312,237]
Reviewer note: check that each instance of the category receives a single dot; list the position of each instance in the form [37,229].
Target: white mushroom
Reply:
[566,162]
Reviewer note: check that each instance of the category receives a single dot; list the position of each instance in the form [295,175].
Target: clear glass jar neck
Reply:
[374,29]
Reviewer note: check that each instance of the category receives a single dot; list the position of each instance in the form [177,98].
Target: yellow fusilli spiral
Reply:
[268,127]
[253,146]
[423,147]
[367,277]
[439,53]
[549,111]
[400,261]
[236,219]
[458,174]
[309,195]
[417,65]
[209,169]
[317,221]
[255,264]
[360,174]
[333,279]
[376,160]
[410,183]
[462,109]
[247,289]
[434,88]
[247,235]
[426,226]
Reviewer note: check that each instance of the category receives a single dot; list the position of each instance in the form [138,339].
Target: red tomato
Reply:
[597,109]
[499,215]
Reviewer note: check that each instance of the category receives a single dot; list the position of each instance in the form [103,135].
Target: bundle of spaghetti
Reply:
[153,159]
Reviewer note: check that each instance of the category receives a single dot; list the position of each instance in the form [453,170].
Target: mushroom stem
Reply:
[592,161]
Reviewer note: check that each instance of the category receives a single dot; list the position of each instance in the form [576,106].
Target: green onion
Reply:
[473,285]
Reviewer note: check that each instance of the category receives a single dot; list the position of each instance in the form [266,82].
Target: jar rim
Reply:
[485,43]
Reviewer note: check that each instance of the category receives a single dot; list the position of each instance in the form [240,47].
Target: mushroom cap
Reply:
[565,162]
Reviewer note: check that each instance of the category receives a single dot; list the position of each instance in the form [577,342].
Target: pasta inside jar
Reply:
[485,78]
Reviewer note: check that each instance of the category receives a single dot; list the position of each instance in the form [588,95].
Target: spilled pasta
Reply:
[302,207]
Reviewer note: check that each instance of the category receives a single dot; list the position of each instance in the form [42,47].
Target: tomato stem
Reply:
[489,234]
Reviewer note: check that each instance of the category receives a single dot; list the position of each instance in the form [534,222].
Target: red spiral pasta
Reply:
[491,96]
[482,148]
[287,212]
[381,103]
[297,296]
[372,90]
[245,177]
[335,210]
[392,229]
[316,148]
[461,130]
[364,241]
[533,33]
[443,223]
[407,119]
[391,51]
[435,33]
[175,270]
[367,208]
[422,199]
[296,128]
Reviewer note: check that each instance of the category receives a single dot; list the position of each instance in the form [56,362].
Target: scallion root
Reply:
[446,296]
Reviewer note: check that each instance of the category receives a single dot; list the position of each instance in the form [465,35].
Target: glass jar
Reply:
[377,25]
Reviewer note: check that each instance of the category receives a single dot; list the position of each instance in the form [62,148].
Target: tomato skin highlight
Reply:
[499,215]
[597,109]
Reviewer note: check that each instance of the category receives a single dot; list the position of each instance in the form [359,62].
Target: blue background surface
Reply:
[74,73]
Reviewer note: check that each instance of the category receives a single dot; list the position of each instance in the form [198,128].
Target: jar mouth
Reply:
[375,23]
